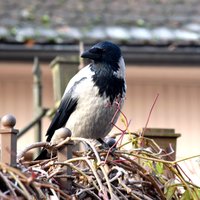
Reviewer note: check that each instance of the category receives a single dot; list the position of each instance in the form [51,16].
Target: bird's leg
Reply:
[104,145]
[108,144]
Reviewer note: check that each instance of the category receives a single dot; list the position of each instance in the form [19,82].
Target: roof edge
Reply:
[143,54]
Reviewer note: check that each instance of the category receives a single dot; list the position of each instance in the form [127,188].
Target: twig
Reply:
[143,196]
[88,190]
[99,164]
[26,193]
[119,192]
[50,186]
[32,146]
[7,183]
[148,118]
[3,196]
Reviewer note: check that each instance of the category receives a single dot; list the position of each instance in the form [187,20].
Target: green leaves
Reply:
[186,196]
[170,192]
[159,168]
[156,167]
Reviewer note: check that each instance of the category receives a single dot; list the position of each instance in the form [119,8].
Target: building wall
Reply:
[177,107]
[16,95]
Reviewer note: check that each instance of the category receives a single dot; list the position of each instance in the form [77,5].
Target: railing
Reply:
[8,153]
[8,139]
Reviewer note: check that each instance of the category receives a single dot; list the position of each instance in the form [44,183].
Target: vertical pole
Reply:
[81,60]
[65,153]
[37,97]
[8,136]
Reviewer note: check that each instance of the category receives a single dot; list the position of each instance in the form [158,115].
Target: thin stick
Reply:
[148,118]
[32,146]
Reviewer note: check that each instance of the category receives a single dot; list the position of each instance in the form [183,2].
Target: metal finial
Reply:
[8,121]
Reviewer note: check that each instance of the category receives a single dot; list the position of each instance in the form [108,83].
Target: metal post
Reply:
[65,153]
[8,136]
[37,97]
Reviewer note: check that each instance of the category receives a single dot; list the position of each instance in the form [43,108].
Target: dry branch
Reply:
[140,173]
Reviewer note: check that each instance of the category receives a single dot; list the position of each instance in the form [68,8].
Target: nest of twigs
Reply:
[136,169]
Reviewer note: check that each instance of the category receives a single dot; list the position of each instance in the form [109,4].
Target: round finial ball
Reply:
[60,135]
[8,121]
[63,132]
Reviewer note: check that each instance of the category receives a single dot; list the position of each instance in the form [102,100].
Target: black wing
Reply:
[67,106]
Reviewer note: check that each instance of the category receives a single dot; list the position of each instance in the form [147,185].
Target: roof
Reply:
[144,23]
[154,21]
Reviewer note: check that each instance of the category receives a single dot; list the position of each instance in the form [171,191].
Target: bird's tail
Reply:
[44,154]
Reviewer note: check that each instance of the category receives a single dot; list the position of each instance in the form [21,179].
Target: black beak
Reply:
[91,55]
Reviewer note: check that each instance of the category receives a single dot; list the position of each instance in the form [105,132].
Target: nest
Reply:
[136,169]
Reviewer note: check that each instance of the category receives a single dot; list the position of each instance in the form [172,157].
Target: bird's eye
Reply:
[96,50]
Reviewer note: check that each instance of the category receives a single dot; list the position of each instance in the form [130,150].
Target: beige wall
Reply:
[16,94]
[177,106]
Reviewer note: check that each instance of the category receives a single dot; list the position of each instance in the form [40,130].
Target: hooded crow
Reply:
[93,96]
